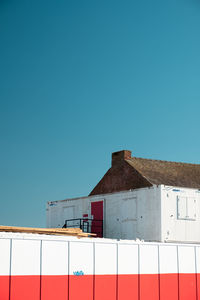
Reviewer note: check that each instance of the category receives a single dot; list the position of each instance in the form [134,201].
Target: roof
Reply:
[167,172]
[129,172]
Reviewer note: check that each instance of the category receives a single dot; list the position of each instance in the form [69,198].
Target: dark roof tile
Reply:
[167,172]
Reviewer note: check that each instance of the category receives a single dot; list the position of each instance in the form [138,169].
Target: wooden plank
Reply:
[51,231]
[41,229]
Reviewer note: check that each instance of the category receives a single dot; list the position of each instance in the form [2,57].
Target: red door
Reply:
[97,213]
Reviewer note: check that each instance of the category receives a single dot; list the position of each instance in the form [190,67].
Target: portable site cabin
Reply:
[140,198]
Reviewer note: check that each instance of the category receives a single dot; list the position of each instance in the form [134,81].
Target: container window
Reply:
[186,208]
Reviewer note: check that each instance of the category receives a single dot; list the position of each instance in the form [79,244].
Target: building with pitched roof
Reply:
[140,198]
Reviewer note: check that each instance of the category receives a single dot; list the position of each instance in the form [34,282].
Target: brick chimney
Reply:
[120,156]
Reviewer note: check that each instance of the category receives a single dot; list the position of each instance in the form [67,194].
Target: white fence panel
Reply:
[54,258]
[25,257]
[4,257]
[168,259]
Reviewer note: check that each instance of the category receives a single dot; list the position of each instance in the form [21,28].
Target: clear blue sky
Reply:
[82,79]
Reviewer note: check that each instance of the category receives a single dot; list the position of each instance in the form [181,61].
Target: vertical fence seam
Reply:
[40,269]
[159,272]
[93,270]
[68,268]
[117,270]
[178,272]
[195,257]
[138,272]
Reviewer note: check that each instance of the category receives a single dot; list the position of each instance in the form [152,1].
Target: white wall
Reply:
[180,214]
[59,211]
[133,214]
[127,215]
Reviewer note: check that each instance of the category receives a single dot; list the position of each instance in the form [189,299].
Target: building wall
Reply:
[180,214]
[59,211]
[162,213]
[133,214]
[127,215]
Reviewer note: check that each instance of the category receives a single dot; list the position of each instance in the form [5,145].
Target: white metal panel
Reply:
[25,257]
[191,208]
[105,259]
[4,257]
[128,208]
[148,259]
[186,207]
[186,256]
[128,229]
[168,259]
[127,259]
[54,258]
[68,212]
[173,228]
[181,206]
[81,258]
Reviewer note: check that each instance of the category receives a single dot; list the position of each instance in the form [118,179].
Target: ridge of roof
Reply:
[164,161]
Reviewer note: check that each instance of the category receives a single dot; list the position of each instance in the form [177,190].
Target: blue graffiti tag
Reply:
[78,273]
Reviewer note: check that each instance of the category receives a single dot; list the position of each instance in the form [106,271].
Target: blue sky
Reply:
[82,79]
